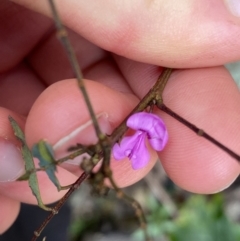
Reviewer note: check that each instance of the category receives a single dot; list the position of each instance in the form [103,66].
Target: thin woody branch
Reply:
[197,130]
[63,37]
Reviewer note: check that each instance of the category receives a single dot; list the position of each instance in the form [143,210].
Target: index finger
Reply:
[182,34]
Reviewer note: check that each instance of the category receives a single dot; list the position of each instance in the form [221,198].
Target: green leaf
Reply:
[25,176]
[44,152]
[29,164]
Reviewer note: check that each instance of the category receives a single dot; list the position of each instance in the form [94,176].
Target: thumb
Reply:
[179,34]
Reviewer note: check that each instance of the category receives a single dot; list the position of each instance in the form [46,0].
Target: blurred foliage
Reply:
[103,215]
[234,69]
[200,218]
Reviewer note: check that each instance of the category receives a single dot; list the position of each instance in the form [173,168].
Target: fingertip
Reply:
[11,161]
[178,34]
[124,175]
[9,209]
[209,99]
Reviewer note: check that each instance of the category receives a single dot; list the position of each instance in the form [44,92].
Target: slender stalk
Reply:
[63,36]
[58,206]
[198,131]
[138,209]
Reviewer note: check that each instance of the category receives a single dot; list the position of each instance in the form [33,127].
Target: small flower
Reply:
[147,126]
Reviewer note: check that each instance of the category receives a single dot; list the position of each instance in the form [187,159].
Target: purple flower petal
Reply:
[133,147]
[126,145]
[158,144]
[153,125]
[140,155]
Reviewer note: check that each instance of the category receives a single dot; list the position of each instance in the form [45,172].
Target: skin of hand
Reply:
[120,46]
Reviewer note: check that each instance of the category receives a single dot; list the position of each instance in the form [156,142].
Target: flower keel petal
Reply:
[140,155]
[125,147]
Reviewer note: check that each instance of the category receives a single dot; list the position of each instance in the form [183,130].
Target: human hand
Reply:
[195,36]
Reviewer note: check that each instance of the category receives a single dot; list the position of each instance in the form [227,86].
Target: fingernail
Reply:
[11,161]
[233,6]
[84,134]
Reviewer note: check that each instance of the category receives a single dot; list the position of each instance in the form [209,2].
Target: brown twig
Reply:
[58,206]
[197,130]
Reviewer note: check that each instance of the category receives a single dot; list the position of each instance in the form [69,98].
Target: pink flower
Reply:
[147,126]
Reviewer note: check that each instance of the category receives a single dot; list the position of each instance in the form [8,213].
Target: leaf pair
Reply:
[44,152]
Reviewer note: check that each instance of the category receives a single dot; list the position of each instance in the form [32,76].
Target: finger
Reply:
[19,88]
[19,26]
[107,73]
[9,210]
[60,116]
[50,62]
[21,191]
[183,34]
[208,98]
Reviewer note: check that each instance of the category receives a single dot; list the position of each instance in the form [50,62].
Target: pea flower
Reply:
[148,126]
